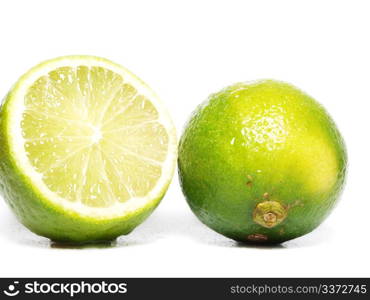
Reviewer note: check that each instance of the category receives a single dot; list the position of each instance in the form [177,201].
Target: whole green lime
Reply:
[261,162]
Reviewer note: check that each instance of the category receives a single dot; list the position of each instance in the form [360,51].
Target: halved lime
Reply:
[88,150]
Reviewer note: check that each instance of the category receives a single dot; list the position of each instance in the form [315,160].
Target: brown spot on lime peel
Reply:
[269,213]
[250,181]
[257,237]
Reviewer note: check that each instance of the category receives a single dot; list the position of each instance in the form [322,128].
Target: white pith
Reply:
[16,141]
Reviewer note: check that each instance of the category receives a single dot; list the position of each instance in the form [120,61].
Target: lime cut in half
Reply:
[89,150]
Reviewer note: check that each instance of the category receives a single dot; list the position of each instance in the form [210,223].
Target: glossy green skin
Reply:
[228,161]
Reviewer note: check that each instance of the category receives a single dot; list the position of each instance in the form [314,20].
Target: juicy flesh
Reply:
[92,136]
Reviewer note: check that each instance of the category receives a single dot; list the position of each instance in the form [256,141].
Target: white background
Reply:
[186,50]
